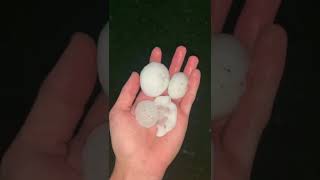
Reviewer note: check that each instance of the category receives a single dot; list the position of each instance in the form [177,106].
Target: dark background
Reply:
[35,34]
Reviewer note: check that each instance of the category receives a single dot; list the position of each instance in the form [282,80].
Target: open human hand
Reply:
[236,136]
[47,147]
[139,152]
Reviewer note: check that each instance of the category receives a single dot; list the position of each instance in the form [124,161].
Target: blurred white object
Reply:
[229,68]
[103,58]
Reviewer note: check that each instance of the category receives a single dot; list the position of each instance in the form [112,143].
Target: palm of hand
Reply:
[142,143]
[132,142]
[236,136]
[47,146]
[37,166]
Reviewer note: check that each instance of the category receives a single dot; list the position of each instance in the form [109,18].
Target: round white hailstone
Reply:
[178,85]
[154,79]
[96,153]
[229,69]
[103,58]
[167,115]
[146,113]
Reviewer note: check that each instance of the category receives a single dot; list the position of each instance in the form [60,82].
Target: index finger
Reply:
[156,55]
[219,11]
[256,15]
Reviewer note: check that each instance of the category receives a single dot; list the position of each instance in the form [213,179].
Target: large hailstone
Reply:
[146,113]
[167,115]
[103,58]
[154,79]
[229,68]
[95,154]
[178,85]
[161,112]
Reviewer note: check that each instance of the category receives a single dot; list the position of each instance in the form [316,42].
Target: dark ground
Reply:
[35,35]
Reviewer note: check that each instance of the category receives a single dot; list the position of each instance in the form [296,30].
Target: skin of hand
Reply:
[46,146]
[236,136]
[139,153]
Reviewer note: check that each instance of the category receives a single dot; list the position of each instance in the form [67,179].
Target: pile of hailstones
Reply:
[160,112]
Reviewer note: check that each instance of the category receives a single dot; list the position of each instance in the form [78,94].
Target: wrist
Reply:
[132,171]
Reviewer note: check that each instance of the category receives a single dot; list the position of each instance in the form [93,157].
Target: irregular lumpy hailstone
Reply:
[146,113]
[178,85]
[161,112]
[154,79]
[167,115]
[229,69]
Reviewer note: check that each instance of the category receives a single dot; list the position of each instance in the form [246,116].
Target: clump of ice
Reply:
[146,113]
[161,112]
[167,115]
[178,85]
[154,79]
[103,58]
[229,69]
